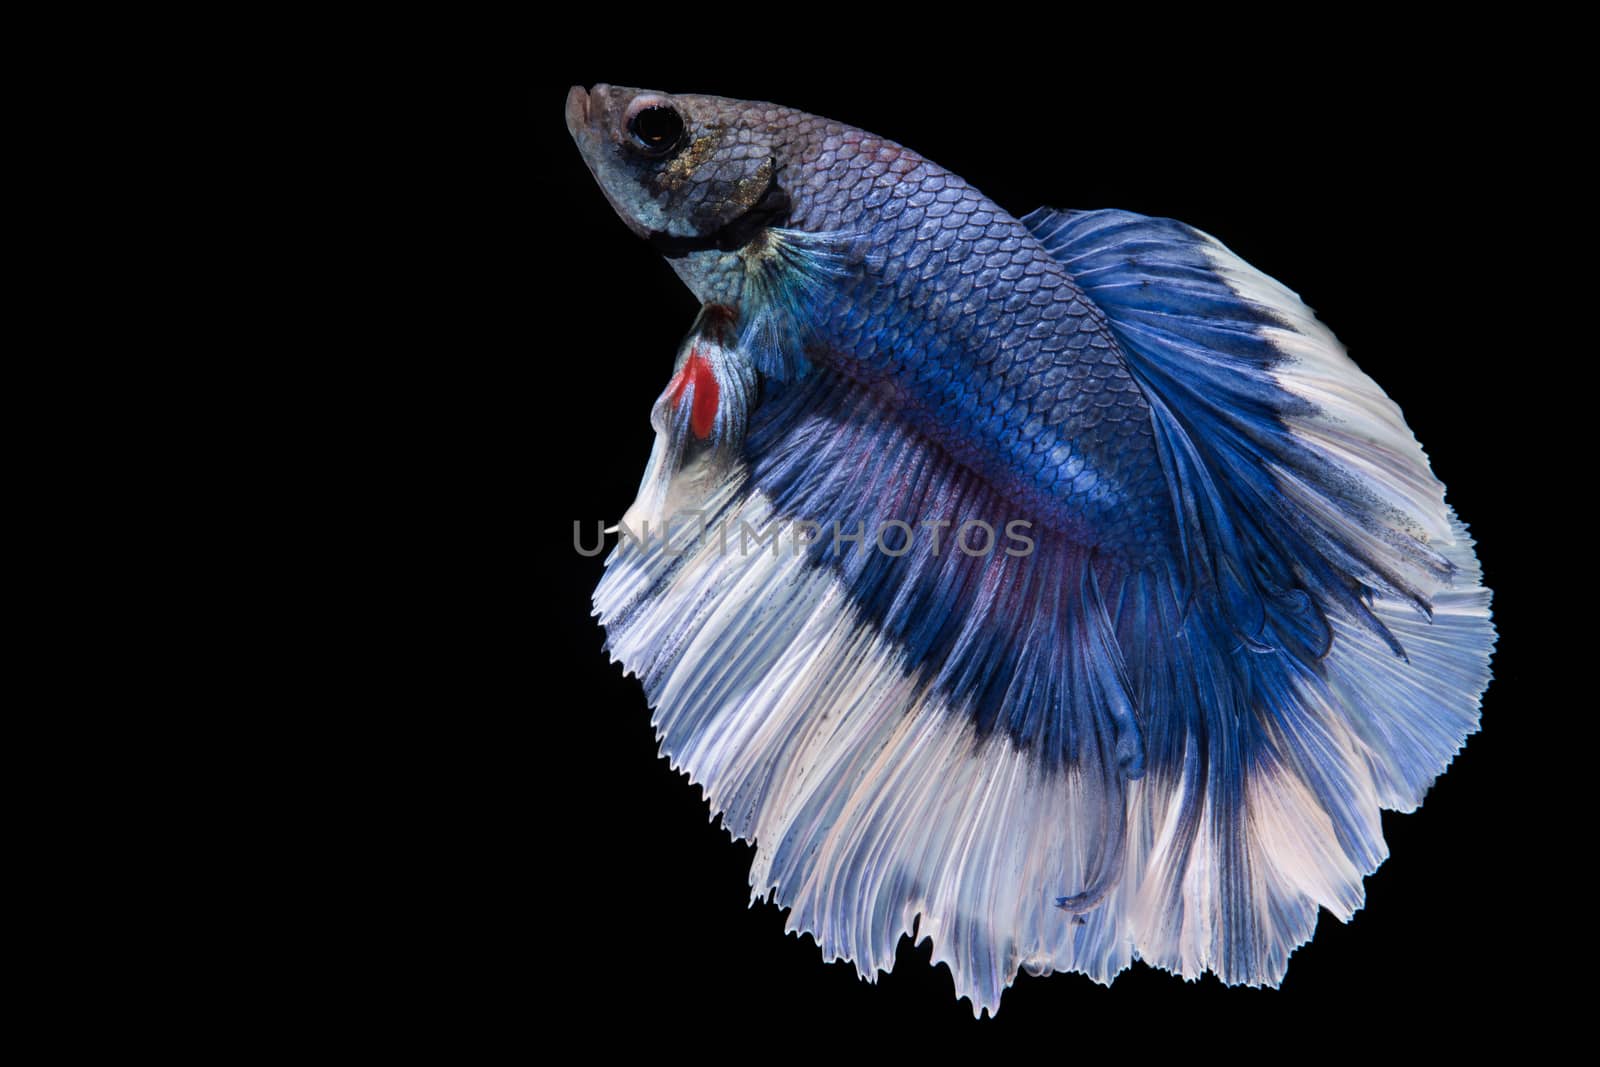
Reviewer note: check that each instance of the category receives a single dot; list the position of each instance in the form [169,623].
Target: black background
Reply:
[1369,186]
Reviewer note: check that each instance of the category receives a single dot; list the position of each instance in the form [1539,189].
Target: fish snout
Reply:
[588,110]
[577,110]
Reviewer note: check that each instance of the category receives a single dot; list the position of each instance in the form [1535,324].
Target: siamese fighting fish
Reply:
[1054,588]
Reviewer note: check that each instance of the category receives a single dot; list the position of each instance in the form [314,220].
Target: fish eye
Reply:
[656,130]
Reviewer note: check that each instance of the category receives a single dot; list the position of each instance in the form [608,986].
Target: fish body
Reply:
[946,306]
[1221,616]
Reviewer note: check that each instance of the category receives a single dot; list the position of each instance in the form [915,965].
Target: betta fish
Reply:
[1056,588]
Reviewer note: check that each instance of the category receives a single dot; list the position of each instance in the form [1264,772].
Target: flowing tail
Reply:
[1039,757]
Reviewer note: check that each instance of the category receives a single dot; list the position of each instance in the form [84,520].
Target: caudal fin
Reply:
[1316,540]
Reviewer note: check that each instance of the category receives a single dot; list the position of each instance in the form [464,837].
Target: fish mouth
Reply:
[577,111]
[589,112]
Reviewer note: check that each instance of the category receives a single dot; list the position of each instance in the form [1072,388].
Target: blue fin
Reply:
[785,273]
[1293,474]
[1315,538]
[931,734]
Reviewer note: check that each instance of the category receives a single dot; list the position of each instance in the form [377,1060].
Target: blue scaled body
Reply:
[983,341]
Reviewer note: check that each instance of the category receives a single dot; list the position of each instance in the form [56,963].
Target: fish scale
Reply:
[982,338]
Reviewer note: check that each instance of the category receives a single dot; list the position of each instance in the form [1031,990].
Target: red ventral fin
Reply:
[696,376]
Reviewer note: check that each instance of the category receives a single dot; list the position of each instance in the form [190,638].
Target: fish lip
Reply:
[577,111]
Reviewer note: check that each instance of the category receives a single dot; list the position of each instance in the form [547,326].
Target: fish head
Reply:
[679,169]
